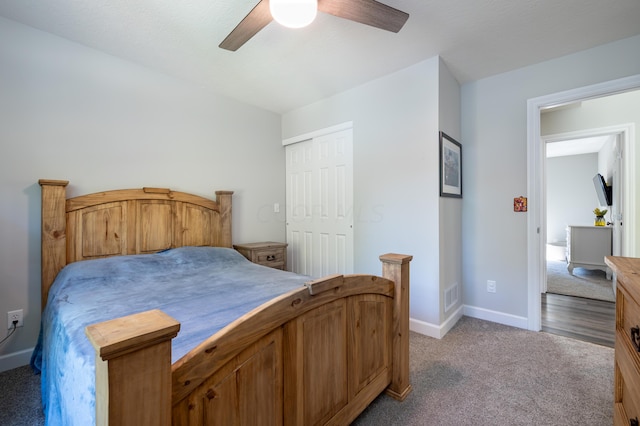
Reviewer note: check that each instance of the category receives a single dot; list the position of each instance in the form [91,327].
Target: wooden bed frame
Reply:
[317,355]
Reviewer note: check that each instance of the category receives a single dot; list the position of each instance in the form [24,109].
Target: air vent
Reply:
[450,297]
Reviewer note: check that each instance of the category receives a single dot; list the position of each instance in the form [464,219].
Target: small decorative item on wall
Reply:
[600,221]
[450,167]
[520,204]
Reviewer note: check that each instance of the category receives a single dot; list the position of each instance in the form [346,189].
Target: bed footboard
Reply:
[317,355]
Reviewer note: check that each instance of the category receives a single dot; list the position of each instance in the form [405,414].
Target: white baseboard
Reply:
[15,360]
[436,331]
[495,316]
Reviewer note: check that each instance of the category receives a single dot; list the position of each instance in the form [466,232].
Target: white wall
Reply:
[494,130]
[396,187]
[450,208]
[69,112]
[607,158]
[571,196]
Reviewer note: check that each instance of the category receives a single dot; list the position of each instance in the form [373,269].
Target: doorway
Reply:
[536,223]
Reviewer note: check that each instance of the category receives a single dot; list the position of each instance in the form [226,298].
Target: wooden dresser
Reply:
[268,253]
[627,349]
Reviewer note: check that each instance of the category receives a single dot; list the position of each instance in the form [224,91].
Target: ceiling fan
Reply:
[369,12]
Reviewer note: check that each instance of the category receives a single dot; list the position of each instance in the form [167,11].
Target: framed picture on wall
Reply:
[450,167]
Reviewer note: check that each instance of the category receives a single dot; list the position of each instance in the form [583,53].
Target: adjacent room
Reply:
[392,189]
[587,143]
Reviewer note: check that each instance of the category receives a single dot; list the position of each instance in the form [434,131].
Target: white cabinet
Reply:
[587,246]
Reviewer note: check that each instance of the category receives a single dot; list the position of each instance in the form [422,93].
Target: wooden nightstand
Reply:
[273,255]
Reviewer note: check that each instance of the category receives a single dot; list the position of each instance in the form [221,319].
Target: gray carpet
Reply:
[480,373]
[592,284]
[20,404]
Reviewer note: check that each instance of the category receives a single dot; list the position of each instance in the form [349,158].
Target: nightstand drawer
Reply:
[271,254]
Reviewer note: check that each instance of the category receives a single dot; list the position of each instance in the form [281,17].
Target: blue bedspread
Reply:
[204,288]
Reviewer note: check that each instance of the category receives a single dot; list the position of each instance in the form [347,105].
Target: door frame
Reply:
[316,133]
[536,180]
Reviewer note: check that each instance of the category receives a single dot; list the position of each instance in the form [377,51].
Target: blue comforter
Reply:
[204,288]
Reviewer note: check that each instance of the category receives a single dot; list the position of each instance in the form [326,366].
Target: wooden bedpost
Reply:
[223,198]
[395,267]
[133,369]
[53,233]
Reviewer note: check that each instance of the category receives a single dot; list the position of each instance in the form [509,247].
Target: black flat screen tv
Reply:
[603,191]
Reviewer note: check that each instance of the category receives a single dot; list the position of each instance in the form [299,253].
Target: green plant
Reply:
[600,213]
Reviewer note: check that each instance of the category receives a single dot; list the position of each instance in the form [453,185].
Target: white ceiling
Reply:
[281,69]
[577,146]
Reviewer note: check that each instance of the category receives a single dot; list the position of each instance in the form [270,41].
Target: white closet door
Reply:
[319,199]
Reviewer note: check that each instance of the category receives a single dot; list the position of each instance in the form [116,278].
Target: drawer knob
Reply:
[271,257]
[635,337]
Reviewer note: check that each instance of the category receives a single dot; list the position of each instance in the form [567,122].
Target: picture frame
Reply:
[450,167]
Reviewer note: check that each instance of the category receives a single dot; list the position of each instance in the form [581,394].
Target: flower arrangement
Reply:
[600,217]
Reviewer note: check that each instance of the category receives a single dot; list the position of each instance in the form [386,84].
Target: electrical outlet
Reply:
[491,286]
[14,316]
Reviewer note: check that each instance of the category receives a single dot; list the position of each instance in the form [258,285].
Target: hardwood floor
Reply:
[584,319]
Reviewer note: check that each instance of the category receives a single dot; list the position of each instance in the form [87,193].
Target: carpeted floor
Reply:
[481,373]
[20,404]
[592,284]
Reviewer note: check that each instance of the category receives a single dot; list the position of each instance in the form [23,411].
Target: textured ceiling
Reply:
[281,69]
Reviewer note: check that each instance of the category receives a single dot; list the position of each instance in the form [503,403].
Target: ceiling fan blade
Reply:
[256,20]
[369,12]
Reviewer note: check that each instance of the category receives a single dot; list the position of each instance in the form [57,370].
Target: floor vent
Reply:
[450,297]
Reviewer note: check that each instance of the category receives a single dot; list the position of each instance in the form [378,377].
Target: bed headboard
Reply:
[125,221]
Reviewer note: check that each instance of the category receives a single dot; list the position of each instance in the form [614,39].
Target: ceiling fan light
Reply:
[294,13]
